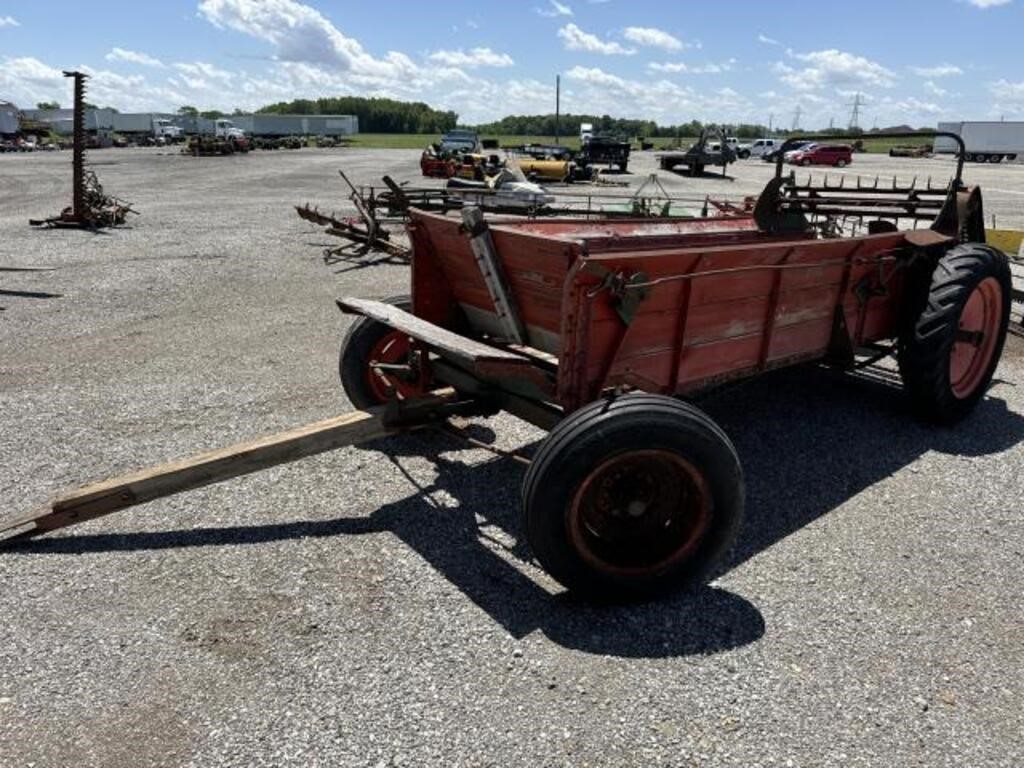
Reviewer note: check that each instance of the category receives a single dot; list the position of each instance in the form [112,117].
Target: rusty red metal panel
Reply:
[720,299]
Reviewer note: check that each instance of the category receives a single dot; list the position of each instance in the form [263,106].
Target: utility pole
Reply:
[831,124]
[796,117]
[858,102]
[558,105]
[771,117]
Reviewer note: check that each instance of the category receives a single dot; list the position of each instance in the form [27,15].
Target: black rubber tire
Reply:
[744,155]
[805,162]
[935,300]
[357,345]
[614,427]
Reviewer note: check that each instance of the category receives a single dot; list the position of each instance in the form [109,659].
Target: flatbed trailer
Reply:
[601,332]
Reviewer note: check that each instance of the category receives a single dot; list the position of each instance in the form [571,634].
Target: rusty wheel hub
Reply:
[639,513]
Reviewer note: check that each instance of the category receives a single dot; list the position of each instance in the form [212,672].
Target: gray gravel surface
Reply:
[376,606]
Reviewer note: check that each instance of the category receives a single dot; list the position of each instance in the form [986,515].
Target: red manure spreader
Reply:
[600,331]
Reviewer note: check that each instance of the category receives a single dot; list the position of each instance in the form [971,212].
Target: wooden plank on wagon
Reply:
[444,341]
[119,493]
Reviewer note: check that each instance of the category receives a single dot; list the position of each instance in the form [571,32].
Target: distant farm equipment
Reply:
[90,207]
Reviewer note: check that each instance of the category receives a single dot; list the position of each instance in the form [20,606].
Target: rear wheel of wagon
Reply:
[633,496]
[953,338]
[368,342]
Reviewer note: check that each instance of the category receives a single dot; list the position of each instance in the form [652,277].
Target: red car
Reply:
[838,155]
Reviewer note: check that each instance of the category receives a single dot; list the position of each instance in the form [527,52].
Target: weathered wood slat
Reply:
[118,493]
[444,341]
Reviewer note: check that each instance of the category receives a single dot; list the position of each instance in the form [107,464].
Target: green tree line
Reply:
[378,115]
[375,115]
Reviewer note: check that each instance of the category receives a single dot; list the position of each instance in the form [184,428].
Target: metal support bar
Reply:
[490,268]
[78,147]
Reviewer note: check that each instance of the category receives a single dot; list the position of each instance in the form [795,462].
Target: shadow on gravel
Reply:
[809,440]
[31,294]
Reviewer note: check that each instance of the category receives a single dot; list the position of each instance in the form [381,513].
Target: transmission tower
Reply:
[858,102]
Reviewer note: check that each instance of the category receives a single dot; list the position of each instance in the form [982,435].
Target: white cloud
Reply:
[762,38]
[477,57]
[595,76]
[933,89]
[917,108]
[554,10]
[983,4]
[595,90]
[199,75]
[653,38]
[29,80]
[940,70]
[691,69]
[1007,91]
[301,34]
[576,39]
[833,68]
[202,69]
[8,21]
[133,57]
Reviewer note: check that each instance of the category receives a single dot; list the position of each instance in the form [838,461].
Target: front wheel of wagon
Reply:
[951,343]
[368,342]
[633,496]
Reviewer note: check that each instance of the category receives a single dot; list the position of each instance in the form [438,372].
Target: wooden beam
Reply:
[119,493]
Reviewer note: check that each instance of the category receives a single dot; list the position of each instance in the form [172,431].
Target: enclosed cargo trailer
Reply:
[986,142]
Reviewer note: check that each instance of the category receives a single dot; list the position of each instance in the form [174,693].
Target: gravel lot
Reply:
[375,606]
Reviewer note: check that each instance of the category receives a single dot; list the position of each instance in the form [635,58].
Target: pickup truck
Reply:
[741,150]
[761,147]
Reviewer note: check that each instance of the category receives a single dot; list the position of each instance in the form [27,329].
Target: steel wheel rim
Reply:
[393,348]
[640,513]
[976,338]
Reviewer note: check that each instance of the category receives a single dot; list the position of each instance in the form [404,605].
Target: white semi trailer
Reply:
[986,142]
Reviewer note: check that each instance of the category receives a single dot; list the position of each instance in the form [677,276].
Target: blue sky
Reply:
[912,62]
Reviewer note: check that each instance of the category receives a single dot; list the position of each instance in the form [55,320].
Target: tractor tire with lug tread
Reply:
[632,496]
[954,331]
[366,340]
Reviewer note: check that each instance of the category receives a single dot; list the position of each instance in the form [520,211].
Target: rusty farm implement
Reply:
[91,207]
[378,209]
[602,330]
